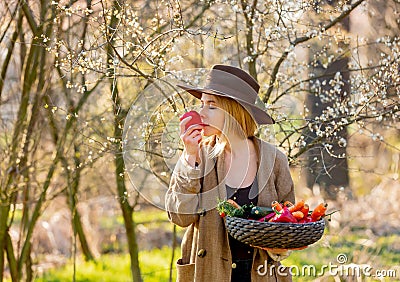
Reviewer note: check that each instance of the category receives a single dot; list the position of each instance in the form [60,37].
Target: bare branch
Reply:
[300,40]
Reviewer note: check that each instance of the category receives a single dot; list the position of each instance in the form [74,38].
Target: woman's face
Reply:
[212,115]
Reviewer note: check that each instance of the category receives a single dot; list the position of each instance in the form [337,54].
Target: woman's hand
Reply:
[191,139]
[280,254]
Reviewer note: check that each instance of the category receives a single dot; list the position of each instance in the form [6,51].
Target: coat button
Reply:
[201,253]
[233,265]
[203,212]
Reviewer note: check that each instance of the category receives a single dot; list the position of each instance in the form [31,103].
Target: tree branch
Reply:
[300,40]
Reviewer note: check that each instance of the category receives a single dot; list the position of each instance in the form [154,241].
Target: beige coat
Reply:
[191,200]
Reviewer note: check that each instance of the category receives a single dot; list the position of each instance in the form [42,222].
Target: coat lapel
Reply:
[220,170]
[267,155]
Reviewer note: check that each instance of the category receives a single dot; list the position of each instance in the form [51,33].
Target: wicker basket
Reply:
[274,234]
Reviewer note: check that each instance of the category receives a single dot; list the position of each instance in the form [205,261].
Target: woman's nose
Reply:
[202,113]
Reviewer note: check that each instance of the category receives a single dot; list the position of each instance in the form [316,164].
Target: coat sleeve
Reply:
[182,198]
[283,179]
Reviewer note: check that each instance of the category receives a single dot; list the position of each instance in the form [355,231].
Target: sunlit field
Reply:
[357,243]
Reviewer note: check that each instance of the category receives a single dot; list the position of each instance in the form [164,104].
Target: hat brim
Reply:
[259,115]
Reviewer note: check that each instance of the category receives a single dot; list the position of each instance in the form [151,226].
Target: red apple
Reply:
[196,119]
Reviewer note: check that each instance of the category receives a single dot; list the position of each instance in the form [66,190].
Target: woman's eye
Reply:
[210,107]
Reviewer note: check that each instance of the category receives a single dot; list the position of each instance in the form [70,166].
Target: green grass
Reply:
[359,247]
[115,268]
[383,254]
[150,215]
[107,268]
[379,255]
[156,263]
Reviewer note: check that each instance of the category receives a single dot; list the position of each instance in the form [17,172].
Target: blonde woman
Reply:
[223,159]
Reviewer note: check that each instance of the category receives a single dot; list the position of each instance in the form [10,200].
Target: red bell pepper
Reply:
[306,219]
[267,217]
[284,216]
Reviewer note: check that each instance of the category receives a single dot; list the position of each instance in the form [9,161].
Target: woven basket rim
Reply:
[277,223]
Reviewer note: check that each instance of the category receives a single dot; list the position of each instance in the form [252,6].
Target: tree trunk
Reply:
[250,46]
[174,244]
[327,171]
[5,190]
[23,124]
[77,223]
[72,191]
[127,210]
[119,117]
[4,211]
[330,172]
[12,263]
[10,51]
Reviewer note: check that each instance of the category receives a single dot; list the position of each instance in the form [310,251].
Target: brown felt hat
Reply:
[235,83]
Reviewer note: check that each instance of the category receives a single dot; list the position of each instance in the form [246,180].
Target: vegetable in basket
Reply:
[261,212]
[319,212]
[297,207]
[284,216]
[231,208]
[286,212]
[295,213]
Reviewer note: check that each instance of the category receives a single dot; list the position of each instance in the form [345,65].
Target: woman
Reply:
[223,159]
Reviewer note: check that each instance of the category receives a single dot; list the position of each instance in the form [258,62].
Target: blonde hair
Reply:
[237,121]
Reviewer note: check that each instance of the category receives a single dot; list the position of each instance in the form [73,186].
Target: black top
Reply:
[240,250]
